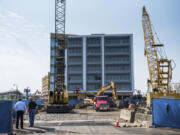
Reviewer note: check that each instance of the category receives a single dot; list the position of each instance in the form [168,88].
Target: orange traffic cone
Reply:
[117,122]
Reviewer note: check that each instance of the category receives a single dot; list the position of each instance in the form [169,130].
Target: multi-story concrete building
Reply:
[94,60]
[45,84]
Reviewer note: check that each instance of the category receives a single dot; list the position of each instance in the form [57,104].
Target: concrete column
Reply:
[66,67]
[132,62]
[84,62]
[102,47]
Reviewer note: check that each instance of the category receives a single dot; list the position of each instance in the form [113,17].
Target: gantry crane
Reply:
[58,95]
[160,67]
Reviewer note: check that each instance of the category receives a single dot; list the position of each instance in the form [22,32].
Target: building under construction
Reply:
[94,60]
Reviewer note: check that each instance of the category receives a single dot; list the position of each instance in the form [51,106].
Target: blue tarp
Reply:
[75,102]
[5,116]
[166,112]
[111,102]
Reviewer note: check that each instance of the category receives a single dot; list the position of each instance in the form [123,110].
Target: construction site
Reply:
[90,86]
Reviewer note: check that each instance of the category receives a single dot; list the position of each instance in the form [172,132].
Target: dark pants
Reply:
[32,116]
[19,115]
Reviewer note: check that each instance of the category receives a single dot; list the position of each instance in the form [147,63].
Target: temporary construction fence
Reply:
[166,112]
[5,117]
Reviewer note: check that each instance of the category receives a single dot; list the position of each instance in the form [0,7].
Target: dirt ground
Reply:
[88,122]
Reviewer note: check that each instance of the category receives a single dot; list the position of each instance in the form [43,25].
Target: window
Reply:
[93,41]
[52,60]
[53,52]
[117,67]
[52,42]
[124,86]
[52,70]
[92,87]
[117,58]
[94,50]
[94,77]
[75,41]
[74,77]
[52,78]
[94,68]
[116,40]
[51,86]
[75,59]
[74,86]
[77,50]
[94,58]
[116,49]
[75,68]
[102,98]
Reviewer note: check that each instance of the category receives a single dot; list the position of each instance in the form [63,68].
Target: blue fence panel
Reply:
[166,112]
[5,116]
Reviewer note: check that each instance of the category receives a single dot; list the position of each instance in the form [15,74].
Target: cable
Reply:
[161,51]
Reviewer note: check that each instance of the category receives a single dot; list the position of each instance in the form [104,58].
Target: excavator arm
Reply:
[107,87]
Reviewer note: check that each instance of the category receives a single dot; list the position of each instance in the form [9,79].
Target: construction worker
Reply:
[32,108]
[20,108]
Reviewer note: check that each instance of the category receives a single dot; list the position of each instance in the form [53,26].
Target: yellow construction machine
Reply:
[160,67]
[58,95]
[101,102]
[108,87]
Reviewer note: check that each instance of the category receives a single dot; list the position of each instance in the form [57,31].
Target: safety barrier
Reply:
[166,112]
[5,117]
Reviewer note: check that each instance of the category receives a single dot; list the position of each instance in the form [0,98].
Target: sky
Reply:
[25,27]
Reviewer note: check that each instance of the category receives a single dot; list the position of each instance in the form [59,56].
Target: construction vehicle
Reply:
[101,103]
[160,67]
[58,95]
[36,92]
[100,100]
[107,87]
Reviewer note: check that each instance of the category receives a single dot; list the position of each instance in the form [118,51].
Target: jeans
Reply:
[32,116]
[19,115]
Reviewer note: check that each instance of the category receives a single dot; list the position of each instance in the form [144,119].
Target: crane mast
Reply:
[60,11]
[58,95]
[158,65]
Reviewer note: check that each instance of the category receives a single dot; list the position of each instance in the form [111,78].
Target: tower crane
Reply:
[58,95]
[160,67]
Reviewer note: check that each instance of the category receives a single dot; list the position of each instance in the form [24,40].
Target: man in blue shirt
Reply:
[20,108]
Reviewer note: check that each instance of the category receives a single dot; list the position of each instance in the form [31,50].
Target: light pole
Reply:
[27,90]
[16,89]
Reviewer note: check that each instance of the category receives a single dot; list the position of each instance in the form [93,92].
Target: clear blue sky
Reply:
[25,27]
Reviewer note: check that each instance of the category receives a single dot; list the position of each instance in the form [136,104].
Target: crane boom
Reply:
[150,51]
[159,67]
